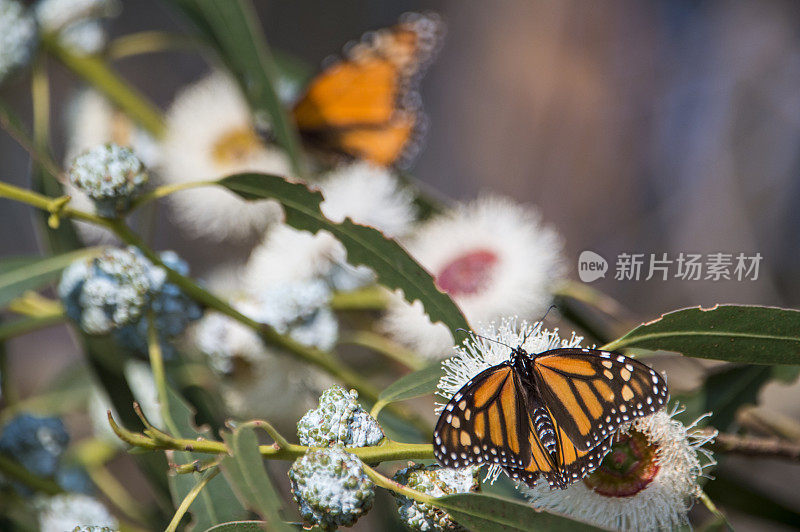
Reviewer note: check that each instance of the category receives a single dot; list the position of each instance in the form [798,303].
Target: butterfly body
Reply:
[552,414]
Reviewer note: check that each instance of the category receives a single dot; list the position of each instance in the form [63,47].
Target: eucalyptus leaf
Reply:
[107,362]
[216,503]
[481,512]
[245,472]
[20,274]
[416,384]
[735,333]
[725,391]
[365,245]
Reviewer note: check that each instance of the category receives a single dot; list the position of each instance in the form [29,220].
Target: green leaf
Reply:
[479,512]
[216,503]
[245,472]
[239,526]
[416,384]
[365,245]
[725,391]
[736,333]
[233,29]
[107,362]
[31,273]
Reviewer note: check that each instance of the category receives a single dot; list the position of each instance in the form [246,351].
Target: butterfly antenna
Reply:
[541,320]
[471,333]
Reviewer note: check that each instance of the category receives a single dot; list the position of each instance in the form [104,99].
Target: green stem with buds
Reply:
[396,487]
[311,355]
[156,440]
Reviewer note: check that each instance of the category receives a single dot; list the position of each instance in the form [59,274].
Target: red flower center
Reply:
[629,468]
[467,274]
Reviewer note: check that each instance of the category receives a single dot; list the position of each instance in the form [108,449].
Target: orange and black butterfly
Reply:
[365,105]
[553,414]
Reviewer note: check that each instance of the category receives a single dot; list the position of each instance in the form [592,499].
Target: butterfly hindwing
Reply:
[365,105]
[485,421]
[566,464]
[574,464]
[590,393]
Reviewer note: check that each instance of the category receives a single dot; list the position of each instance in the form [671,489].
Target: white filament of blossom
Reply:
[368,195]
[202,116]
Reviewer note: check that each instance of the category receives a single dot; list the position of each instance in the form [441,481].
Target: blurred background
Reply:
[635,127]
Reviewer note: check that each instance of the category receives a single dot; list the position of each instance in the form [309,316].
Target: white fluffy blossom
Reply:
[93,120]
[493,257]
[369,195]
[647,482]
[76,22]
[210,135]
[256,380]
[290,255]
[17,36]
[63,513]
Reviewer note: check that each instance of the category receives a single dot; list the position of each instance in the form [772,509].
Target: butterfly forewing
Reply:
[590,393]
[485,421]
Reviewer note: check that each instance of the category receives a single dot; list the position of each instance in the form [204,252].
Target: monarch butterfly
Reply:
[552,414]
[365,105]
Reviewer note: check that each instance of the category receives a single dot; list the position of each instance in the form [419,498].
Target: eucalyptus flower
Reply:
[493,256]
[339,420]
[331,488]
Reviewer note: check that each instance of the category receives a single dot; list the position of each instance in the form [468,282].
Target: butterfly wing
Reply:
[485,421]
[574,464]
[365,105]
[590,393]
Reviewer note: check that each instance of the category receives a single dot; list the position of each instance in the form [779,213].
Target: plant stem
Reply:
[384,346]
[46,203]
[148,42]
[386,451]
[159,375]
[369,298]
[708,503]
[311,355]
[16,471]
[40,92]
[12,125]
[764,421]
[116,493]
[752,446]
[166,190]
[189,499]
[94,70]
[27,325]
[396,487]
